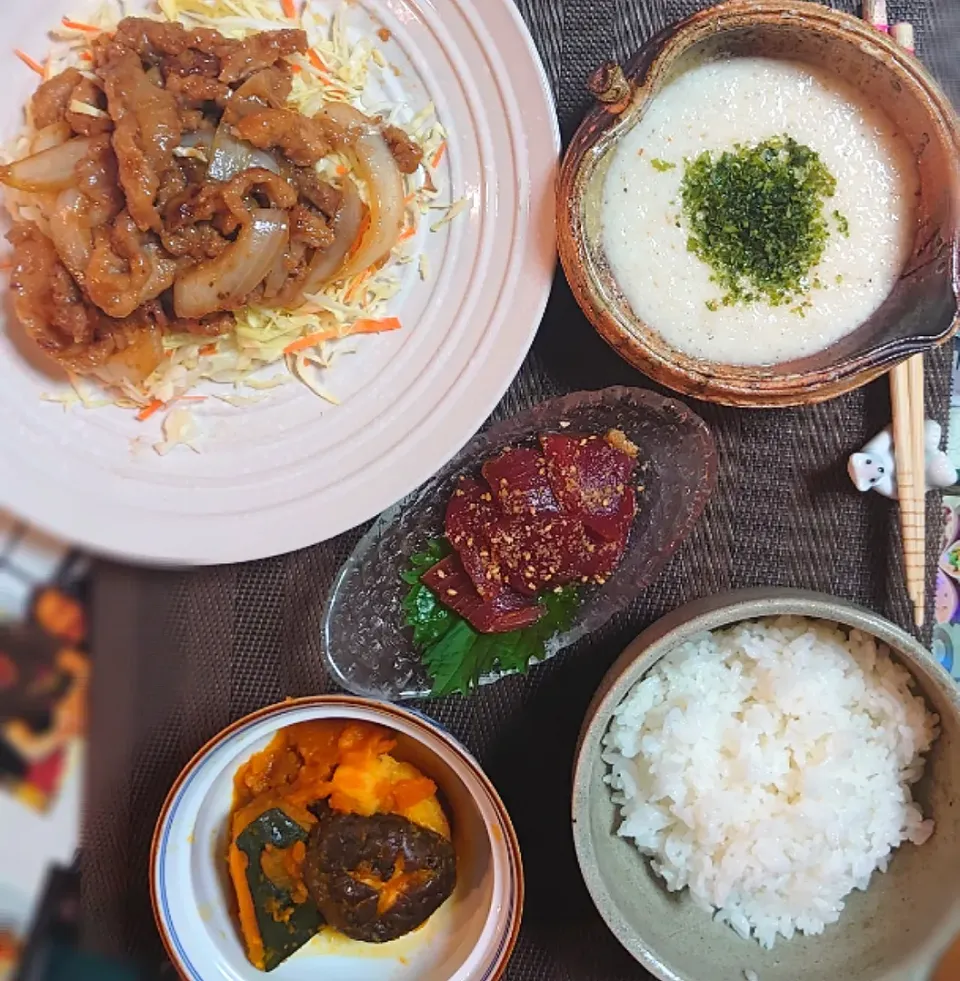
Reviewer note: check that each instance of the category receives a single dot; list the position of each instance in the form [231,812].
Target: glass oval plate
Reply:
[367,647]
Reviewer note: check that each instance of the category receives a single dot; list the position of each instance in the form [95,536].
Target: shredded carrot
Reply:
[76,25]
[330,333]
[208,349]
[361,234]
[289,9]
[375,326]
[86,56]
[156,405]
[407,233]
[29,62]
[148,410]
[295,68]
[342,171]
[311,340]
[438,155]
[317,61]
[357,285]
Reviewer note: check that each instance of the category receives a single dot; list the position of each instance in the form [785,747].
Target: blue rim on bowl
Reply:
[420,729]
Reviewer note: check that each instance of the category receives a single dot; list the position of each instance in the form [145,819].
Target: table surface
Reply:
[179,655]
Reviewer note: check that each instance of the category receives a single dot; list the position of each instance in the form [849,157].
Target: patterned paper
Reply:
[44,676]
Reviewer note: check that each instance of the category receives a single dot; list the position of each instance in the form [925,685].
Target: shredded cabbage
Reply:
[179,429]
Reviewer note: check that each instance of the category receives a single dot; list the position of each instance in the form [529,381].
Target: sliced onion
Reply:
[50,170]
[375,164]
[50,136]
[278,272]
[230,156]
[325,263]
[198,138]
[70,232]
[138,359]
[226,281]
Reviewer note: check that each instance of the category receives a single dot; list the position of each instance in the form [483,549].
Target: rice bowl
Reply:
[729,759]
[894,930]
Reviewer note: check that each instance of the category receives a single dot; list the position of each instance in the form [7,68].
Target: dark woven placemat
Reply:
[179,655]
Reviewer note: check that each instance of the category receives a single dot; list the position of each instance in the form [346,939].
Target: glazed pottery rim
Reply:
[658,640]
[418,721]
[744,385]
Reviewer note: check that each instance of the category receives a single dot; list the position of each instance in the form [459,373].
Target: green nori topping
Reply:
[755,216]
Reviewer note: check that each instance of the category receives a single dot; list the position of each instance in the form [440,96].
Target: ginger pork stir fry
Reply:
[171,184]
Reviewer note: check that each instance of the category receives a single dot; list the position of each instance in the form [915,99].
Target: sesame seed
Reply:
[451,592]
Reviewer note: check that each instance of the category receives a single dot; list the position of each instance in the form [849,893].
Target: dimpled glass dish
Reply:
[367,647]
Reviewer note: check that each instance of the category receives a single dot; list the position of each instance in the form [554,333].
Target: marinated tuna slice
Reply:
[453,587]
[599,558]
[538,552]
[519,481]
[590,477]
[471,514]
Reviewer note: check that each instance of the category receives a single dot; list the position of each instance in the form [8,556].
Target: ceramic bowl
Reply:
[949,561]
[370,652]
[894,931]
[469,938]
[921,311]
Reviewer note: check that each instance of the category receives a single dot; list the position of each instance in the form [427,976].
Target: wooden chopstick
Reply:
[919,540]
[907,398]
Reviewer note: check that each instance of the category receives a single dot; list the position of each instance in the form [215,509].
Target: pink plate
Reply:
[292,470]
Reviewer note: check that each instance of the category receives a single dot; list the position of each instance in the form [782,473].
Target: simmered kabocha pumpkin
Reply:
[327,826]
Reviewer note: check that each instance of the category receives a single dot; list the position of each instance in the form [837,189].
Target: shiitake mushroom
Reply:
[377,878]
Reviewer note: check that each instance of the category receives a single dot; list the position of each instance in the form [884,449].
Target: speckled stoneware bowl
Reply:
[895,931]
[921,311]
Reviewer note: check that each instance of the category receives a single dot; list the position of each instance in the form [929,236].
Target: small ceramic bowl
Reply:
[920,312]
[949,561]
[894,931]
[470,938]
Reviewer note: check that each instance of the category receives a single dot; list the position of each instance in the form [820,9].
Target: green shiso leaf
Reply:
[456,655]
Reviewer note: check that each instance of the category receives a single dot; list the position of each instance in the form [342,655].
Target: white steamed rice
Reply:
[767,768]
